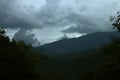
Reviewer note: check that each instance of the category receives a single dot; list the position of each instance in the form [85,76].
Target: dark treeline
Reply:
[109,68]
[19,62]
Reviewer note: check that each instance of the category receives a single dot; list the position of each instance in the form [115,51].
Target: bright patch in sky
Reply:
[48,35]
[11,32]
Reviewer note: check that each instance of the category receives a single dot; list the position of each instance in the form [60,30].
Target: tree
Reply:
[2,31]
[110,68]
[116,21]
[17,61]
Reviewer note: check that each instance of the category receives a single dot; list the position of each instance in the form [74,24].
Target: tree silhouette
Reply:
[116,21]
[2,31]
[17,61]
[110,68]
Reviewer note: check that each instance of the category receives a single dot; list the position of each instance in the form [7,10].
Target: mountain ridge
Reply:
[86,42]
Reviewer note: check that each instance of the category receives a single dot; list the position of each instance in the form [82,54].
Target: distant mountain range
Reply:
[71,58]
[84,43]
[75,56]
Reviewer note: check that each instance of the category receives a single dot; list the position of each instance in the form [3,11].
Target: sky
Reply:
[39,22]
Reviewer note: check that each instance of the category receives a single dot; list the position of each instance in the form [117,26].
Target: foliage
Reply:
[110,69]
[116,21]
[17,61]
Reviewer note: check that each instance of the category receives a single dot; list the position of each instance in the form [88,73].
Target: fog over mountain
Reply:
[51,19]
[77,45]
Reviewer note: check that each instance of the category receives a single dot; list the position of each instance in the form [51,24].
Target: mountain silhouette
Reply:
[73,59]
[84,43]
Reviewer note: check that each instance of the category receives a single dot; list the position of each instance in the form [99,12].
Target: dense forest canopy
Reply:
[17,61]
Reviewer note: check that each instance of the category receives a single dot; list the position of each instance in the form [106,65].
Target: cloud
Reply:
[83,23]
[63,37]
[79,29]
[54,13]
[29,14]
[16,15]
[83,16]
[27,36]
[89,18]
[4,11]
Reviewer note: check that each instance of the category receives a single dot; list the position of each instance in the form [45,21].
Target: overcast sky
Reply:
[49,20]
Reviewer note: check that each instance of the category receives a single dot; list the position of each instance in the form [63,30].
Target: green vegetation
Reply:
[110,69]
[17,61]
[116,21]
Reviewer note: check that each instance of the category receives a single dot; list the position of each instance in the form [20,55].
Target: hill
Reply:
[84,43]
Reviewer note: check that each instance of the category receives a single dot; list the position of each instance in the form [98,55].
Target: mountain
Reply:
[84,43]
[73,59]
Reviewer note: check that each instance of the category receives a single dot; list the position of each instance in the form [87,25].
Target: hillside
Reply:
[86,42]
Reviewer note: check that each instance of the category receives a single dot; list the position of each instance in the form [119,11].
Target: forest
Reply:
[18,61]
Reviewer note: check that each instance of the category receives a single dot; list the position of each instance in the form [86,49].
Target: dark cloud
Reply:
[48,15]
[11,18]
[17,14]
[55,13]
[4,11]
[76,18]
[12,22]
[27,36]
[81,15]
[81,24]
